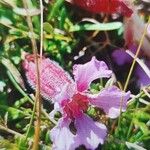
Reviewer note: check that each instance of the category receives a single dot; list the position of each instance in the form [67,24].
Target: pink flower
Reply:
[73,98]
[53,77]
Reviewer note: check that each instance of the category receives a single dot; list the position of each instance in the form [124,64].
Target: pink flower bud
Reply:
[52,76]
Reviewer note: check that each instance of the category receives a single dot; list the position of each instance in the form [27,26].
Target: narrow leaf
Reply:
[24,12]
[14,71]
[98,26]
[134,146]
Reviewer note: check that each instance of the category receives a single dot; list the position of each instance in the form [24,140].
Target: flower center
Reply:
[73,108]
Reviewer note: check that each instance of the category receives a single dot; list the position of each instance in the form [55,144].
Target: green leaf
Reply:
[7,145]
[22,144]
[14,71]
[140,115]
[98,26]
[24,12]
[142,126]
[20,102]
[13,113]
[5,20]
[134,146]
[48,28]
[11,3]
[55,8]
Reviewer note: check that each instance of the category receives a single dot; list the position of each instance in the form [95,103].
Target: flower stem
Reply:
[37,94]
[136,55]
[41,35]
[131,69]
[18,87]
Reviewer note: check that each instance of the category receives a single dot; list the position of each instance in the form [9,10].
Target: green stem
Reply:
[30,123]
[18,87]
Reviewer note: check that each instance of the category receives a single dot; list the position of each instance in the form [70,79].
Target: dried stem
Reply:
[10,131]
[37,95]
[41,16]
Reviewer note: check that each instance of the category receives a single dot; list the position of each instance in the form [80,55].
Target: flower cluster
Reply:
[72,98]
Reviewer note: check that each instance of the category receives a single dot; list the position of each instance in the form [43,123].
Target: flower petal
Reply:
[110,100]
[56,109]
[52,76]
[121,57]
[86,73]
[67,91]
[61,136]
[142,77]
[89,133]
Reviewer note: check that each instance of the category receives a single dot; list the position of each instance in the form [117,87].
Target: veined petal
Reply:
[61,136]
[66,93]
[110,100]
[52,76]
[89,133]
[86,73]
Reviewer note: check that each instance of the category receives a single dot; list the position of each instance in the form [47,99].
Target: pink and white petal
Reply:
[61,136]
[110,100]
[84,74]
[52,76]
[89,133]
[67,91]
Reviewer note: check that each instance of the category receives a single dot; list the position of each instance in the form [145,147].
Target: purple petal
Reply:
[121,57]
[86,73]
[89,133]
[52,76]
[61,136]
[143,79]
[148,31]
[110,100]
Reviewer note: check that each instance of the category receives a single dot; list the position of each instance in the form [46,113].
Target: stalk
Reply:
[37,92]
[136,55]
